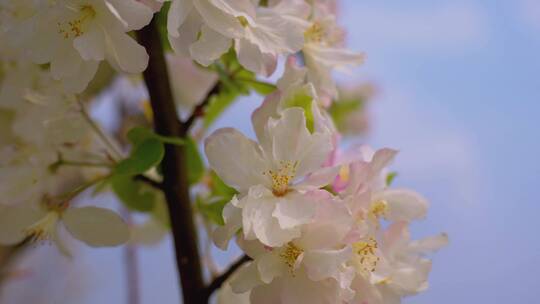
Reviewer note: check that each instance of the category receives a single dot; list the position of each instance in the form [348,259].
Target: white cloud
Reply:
[453,27]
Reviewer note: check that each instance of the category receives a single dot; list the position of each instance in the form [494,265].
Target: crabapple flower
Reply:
[97,227]
[74,36]
[368,193]
[271,175]
[402,269]
[323,51]
[36,133]
[206,29]
[318,258]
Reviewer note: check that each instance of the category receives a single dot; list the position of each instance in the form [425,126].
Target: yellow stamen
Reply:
[378,209]
[282,177]
[75,28]
[43,229]
[315,33]
[344,173]
[289,255]
[366,258]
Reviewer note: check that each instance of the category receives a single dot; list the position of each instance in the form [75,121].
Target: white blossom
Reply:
[206,29]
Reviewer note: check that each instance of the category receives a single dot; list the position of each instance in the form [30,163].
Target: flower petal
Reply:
[403,204]
[187,34]
[233,223]
[259,222]
[91,44]
[125,53]
[236,159]
[219,20]
[270,266]
[178,13]
[245,278]
[134,13]
[429,244]
[291,141]
[322,264]
[294,209]
[210,46]
[252,58]
[97,227]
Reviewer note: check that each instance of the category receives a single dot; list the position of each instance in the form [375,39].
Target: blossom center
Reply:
[315,33]
[378,209]
[43,229]
[76,27]
[366,258]
[290,255]
[282,177]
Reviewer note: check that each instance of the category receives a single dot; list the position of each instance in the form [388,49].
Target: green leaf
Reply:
[144,156]
[134,194]
[194,162]
[212,206]
[302,99]
[212,210]
[139,134]
[219,188]
[263,88]
[340,109]
[390,177]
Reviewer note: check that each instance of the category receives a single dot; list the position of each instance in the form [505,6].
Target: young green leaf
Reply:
[390,177]
[263,88]
[212,210]
[144,156]
[134,194]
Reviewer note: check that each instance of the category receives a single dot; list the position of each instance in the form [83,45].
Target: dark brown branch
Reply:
[175,180]
[217,282]
[149,181]
[200,108]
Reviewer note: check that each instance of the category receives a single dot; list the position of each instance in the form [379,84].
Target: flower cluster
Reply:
[320,224]
[74,36]
[311,216]
[36,198]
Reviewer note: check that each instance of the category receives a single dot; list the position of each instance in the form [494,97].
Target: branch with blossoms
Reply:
[307,213]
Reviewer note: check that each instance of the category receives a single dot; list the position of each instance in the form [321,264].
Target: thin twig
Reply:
[104,138]
[200,108]
[217,282]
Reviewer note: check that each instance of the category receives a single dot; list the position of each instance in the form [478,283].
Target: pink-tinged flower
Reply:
[317,259]
[323,51]
[402,270]
[271,175]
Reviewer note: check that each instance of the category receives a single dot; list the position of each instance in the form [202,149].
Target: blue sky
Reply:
[459,96]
